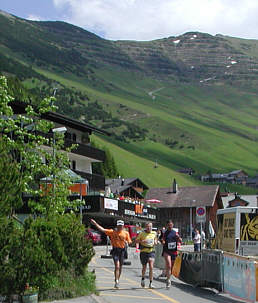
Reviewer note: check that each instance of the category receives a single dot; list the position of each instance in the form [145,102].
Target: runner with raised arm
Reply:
[119,239]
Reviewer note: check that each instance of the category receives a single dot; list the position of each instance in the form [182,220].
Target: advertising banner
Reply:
[228,232]
[256,277]
[111,204]
[177,266]
[239,277]
[249,227]
[249,234]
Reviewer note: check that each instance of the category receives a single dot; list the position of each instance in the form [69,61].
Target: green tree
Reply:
[107,168]
[27,158]
[38,250]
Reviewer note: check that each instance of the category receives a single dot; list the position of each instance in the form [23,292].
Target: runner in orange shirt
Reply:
[119,239]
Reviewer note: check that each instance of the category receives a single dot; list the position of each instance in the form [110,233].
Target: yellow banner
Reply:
[228,232]
[177,266]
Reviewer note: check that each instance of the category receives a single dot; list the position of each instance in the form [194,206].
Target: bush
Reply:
[38,252]
[69,285]
[77,248]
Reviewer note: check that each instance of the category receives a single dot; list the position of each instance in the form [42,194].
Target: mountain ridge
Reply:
[186,101]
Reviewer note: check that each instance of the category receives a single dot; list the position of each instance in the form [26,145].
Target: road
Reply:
[154,91]
[130,290]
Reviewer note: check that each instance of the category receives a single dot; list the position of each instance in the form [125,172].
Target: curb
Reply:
[84,299]
[106,257]
[97,299]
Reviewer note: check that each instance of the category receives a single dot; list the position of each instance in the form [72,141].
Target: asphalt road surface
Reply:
[130,290]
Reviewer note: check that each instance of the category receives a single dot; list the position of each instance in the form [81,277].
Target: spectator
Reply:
[197,240]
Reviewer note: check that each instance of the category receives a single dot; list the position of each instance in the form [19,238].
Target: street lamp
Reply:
[191,218]
[60,130]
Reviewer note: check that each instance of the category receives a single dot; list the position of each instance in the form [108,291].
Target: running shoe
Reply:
[116,284]
[142,283]
[151,285]
[168,284]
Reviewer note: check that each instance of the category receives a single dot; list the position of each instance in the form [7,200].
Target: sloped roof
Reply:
[19,107]
[235,172]
[251,199]
[184,197]
[74,178]
[126,181]
[121,189]
[219,176]
[118,189]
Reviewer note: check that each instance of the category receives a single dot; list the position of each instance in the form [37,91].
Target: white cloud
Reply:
[152,19]
[34,18]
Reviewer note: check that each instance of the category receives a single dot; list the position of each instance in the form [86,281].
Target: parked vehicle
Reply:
[133,231]
[94,236]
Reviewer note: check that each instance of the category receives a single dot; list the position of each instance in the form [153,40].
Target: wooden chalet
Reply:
[177,204]
[128,187]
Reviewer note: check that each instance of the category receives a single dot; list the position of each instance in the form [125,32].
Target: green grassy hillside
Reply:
[211,134]
[190,104]
[131,166]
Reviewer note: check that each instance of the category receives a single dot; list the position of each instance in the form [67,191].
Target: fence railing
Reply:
[230,273]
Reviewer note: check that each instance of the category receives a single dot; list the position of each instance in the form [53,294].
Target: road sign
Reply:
[200,214]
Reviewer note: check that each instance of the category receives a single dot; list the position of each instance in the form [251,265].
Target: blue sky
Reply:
[145,19]
[24,8]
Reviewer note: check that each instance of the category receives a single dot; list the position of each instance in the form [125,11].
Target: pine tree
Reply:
[108,168]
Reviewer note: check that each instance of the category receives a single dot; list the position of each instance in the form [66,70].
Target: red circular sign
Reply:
[200,211]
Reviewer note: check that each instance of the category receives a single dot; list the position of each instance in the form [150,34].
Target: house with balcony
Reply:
[123,199]
[76,132]
[105,209]
[126,187]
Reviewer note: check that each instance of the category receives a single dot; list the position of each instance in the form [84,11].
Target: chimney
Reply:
[174,187]
[123,182]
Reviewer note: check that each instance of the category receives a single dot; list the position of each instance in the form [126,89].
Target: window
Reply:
[85,138]
[74,165]
[68,136]
[74,137]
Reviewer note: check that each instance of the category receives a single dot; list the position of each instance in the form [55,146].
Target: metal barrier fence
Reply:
[236,275]
[212,263]
[191,268]
[159,260]
[240,277]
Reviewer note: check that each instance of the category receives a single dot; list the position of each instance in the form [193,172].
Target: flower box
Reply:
[30,298]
